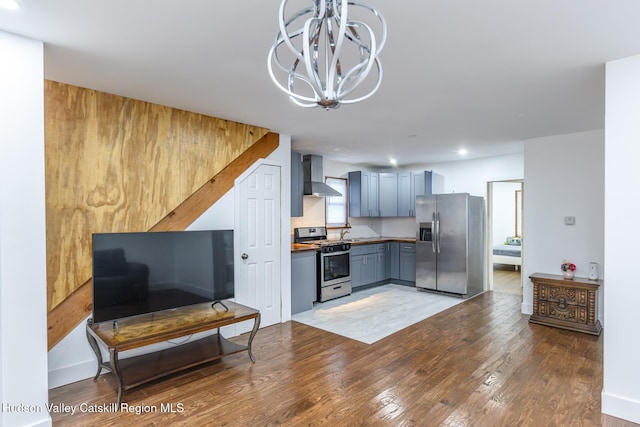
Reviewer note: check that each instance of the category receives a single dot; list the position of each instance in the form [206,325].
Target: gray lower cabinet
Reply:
[357,267]
[368,264]
[393,260]
[381,266]
[364,269]
[383,262]
[407,262]
[303,281]
[402,261]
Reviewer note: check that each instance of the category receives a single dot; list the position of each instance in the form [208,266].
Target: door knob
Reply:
[244,256]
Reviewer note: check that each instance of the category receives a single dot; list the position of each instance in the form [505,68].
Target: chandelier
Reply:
[324,53]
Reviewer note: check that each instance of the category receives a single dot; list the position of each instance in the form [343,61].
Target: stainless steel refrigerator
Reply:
[450,243]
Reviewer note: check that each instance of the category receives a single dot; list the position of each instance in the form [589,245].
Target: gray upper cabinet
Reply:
[363,194]
[303,281]
[388,195]
[297,179]
[374,198]
[405,192]
[410,185]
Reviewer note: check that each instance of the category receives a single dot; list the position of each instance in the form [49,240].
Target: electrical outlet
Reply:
[569,220]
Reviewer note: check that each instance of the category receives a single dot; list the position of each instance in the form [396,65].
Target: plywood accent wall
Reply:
[118,164]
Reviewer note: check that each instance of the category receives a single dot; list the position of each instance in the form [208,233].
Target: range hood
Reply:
[314,178]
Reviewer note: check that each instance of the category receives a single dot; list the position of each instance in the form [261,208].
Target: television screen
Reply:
[138,273]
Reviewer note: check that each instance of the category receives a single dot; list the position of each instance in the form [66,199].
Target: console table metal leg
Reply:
[115,368]
[256,325]
[96,349]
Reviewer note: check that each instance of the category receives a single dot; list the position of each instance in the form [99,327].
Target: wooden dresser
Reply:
[566,303]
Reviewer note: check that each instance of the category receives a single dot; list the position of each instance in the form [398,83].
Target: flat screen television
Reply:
[139,273]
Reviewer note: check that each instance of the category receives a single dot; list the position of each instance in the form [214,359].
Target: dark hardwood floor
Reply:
[479,363]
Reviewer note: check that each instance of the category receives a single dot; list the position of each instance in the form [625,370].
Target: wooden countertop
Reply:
[297,247]
[382,239]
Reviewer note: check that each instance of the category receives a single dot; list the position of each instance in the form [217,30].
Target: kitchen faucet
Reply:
[343,233]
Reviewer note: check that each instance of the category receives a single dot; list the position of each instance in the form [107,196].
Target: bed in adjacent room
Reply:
[509,253]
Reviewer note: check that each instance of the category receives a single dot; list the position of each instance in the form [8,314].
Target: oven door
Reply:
[335,268]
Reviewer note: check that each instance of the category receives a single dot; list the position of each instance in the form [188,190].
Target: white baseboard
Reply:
[620,407]
[47,422]
[526,308]
[8,419]
[71,374]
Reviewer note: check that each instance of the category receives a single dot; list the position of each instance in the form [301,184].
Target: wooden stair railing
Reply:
[75,308]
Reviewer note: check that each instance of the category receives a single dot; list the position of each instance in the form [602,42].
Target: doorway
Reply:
[505,237]
[258,241]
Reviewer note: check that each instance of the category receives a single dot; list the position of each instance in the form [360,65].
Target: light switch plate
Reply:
[569,220]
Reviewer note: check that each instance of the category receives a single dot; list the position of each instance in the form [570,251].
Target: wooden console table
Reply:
[140,331]
[566,303]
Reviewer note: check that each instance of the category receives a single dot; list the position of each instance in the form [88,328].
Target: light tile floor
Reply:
[372,314]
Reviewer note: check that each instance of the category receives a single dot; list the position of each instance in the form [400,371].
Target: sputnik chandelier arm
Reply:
[322,55]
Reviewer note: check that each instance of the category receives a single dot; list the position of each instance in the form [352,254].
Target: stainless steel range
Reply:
[334,269]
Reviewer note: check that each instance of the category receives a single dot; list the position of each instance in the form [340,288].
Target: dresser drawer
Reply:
[563,294]
[564,312]
[368,249]
[407,247]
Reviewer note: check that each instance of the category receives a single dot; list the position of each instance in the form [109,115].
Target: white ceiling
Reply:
[485,75]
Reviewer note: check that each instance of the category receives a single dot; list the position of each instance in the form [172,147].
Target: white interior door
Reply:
[258,283]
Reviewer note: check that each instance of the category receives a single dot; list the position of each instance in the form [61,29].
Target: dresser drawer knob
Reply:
[562,303]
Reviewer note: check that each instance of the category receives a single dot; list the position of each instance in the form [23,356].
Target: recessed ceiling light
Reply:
[462,151]
[9,4]
[393,161]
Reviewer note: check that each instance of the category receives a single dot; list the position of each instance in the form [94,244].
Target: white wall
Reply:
[621,390]
[504,211]
[23,305]
[73,360]
[471,176]
[564,176]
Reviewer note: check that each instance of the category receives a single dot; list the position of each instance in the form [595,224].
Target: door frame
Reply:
[285,246]
[489,236]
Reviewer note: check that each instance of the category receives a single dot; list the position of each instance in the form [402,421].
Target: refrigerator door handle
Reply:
[438,231]
[433,231]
